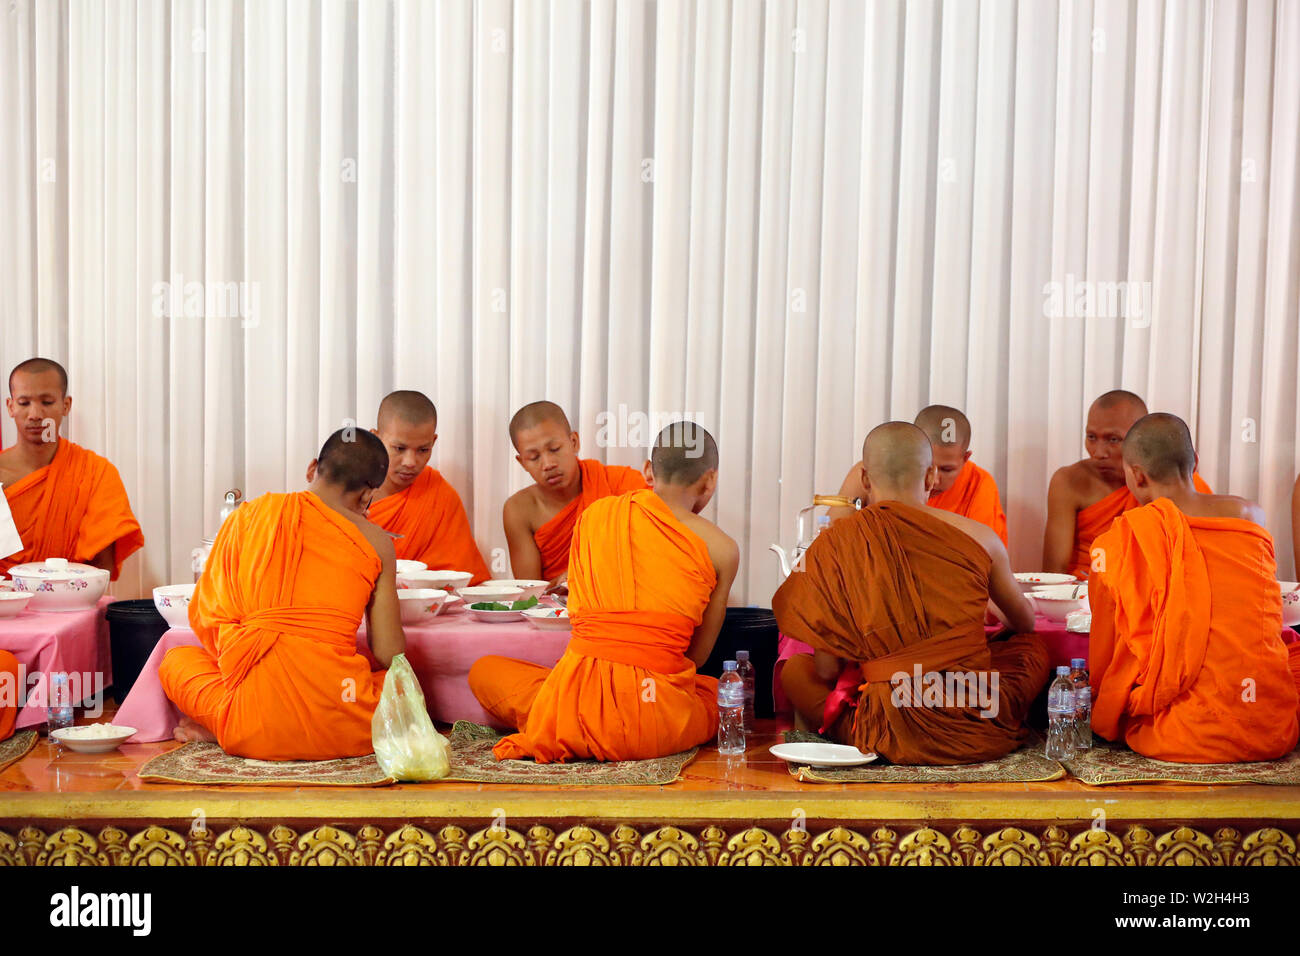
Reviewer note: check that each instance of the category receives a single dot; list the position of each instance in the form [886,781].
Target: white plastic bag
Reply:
[406,745]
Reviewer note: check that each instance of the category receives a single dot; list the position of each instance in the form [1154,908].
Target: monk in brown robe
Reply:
[1186,657]
[893,602]
[539,520]
[1085,497]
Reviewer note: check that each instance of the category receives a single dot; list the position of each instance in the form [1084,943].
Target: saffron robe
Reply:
[974,494]
[434,527]
[598,481]
[1098,517]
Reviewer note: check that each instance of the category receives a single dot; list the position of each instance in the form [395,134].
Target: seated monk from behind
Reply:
[415,501]
[67,502]
[539,520]
[892,601]
[648,585]
[1186,655]
[1085,497]
[277,609]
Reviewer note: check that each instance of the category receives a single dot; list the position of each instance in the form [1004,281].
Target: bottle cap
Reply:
[1078,662]
[728,665]
[1062,671]
[742,655]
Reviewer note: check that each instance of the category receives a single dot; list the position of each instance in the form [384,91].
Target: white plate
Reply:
[1031,579]
[92,745]
[545,619]
[406,566]
[496,617]
[822,755]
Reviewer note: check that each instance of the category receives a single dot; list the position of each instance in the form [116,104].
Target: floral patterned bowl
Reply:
[173,603]
[57,584]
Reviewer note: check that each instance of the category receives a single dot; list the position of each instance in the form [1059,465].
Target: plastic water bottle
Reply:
[1082,704]
[746,671]
[731,711]
[1060,716]
[58,709]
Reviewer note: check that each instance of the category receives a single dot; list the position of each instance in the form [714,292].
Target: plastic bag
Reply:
[406,745]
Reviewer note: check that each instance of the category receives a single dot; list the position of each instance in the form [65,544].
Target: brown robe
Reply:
[893,587]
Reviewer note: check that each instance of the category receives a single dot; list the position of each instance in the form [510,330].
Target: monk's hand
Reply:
[560,583]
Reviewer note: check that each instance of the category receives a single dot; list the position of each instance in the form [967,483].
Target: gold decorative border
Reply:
[623,845]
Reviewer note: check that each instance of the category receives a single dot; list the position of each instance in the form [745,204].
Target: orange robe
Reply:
[894,588]
[975,495]
[598,481]
[10,694]
[277,609]
[639,581]
[434,527]
[73,508]
[1186,657]
[1098,516]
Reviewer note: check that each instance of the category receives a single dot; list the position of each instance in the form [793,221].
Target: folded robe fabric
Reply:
[434,527]
[1098,517]
[277,609]
[1186,657]
[893,588]
[74,508]
[639,581]
[974,494]
[598,481]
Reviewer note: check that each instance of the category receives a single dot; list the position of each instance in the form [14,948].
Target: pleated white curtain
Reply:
[792,219]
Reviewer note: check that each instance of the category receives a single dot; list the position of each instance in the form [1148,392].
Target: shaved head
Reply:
[683,453]
[945,425]
[534,414]
[37,366]
[352,460]
[414,408]
[1161,445]
[1118,399]
[896,455]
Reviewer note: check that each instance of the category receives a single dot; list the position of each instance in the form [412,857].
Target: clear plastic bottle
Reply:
[746,671]
[731,711]
[1060,716]
[58,708]
[1082,704]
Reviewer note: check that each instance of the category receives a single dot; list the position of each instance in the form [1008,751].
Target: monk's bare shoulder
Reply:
[377,536]
[984,536]
[9,470]
[1077,484]
[723,550]
[1228,506]
[523,509]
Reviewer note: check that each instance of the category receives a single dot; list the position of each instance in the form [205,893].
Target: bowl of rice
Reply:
[93,738]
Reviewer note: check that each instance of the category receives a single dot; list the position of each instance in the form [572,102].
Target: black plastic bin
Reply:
[133,631]
[750,629]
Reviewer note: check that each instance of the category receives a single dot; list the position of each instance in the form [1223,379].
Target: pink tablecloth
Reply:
[440,653]
[74,642]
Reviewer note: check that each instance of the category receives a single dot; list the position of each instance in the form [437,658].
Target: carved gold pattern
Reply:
[607,844]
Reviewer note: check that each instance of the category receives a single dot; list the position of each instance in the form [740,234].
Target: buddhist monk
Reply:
[963,487]
[10,694]
[1085,497]
[67,502]
[1186,658]
[416,501]
[539,520]
[277,609]
[648,586]
[893,600]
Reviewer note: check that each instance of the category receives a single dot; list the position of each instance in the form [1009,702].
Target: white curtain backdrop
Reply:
[792,220]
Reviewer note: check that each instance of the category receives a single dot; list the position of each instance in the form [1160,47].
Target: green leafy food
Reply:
[488,606]
[525,604]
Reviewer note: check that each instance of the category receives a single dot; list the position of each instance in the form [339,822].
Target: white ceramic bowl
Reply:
[406,567]
[57,584]
[92,745]
[1290,602]
[530,588]
[1055,603]
[173,603]
[420,605]
[491,592]
[453,605]
[1028,580]
[548,618]
[13,602]
[449,581]
[496,617]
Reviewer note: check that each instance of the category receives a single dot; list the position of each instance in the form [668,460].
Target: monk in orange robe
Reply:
[648,586]
[1186,658]
[10,694]
[963,487]
[416,501]
[66,501]
[539,520]
[1085,497]
[893,602]
[278,676]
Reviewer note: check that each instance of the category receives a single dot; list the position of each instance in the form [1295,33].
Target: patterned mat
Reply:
[1026,765]
[207,763]
[1108,763]
[17,747]
[472,760]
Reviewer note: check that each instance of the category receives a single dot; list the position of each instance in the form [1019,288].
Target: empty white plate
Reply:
[822,755]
